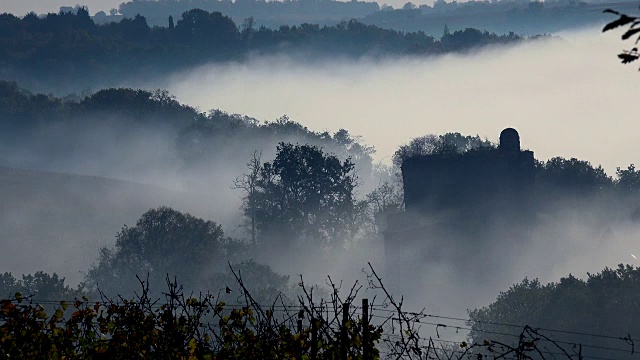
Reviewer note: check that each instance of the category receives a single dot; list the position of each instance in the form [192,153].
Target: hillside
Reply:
[57,222]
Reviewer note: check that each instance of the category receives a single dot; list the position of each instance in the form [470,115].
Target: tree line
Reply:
[270,14]
[519,17]
[76,47]
[305,196]
[203,140]
[503,16]
[530,321]
[180,325]
[607,296]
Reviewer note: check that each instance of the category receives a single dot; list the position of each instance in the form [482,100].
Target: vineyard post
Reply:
[298,344]
[344,335]
[365,329]
[314,339]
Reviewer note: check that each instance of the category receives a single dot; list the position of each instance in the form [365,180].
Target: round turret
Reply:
[509,140]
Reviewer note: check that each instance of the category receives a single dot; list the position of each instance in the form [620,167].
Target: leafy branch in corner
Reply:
[632,22]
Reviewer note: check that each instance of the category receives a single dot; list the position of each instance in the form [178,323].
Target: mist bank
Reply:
[568,97]
[569,93]
[150,137]
[76,169]
[56,222]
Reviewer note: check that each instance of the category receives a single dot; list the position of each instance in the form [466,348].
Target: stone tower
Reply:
[462,203]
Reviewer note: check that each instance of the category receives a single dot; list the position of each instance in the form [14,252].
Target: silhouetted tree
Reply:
[163,241]
[40,286]
[73,45]
[217,32]
[265,284]
[628,179]
[578,176]
[248,183]
[449,143]
[386,198]
[305,196]
[608,296]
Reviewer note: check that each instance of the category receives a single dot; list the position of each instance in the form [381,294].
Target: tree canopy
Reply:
[76,47]
[604,303]
[573,174]
[164,242]
[449,143]
[38,286]
[304,196]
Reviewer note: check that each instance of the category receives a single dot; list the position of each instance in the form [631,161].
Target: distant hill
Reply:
[266,13]
[57,222]
[501,16]
[519,17]
[131,50]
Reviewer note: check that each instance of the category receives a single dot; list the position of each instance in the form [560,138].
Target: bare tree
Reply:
[248,184]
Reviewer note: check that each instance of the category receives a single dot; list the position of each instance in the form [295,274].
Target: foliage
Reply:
[209,30]
[507,17]
[38,286]
[572,174]
[627,56]
[162,241]
[21,109]
[609,296]
[447,144]
[222,138]
[501,16]
[628,179]
[199,142]
[78,48]
[183,327]
[267,286]
[304,196]
[178,326]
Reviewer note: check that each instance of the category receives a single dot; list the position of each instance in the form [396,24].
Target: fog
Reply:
[69,187]
[569,97]
[566,97]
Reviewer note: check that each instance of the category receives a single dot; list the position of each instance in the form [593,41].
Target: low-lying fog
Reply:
[569,97]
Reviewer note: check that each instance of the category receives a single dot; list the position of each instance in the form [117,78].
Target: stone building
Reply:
[463,203]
